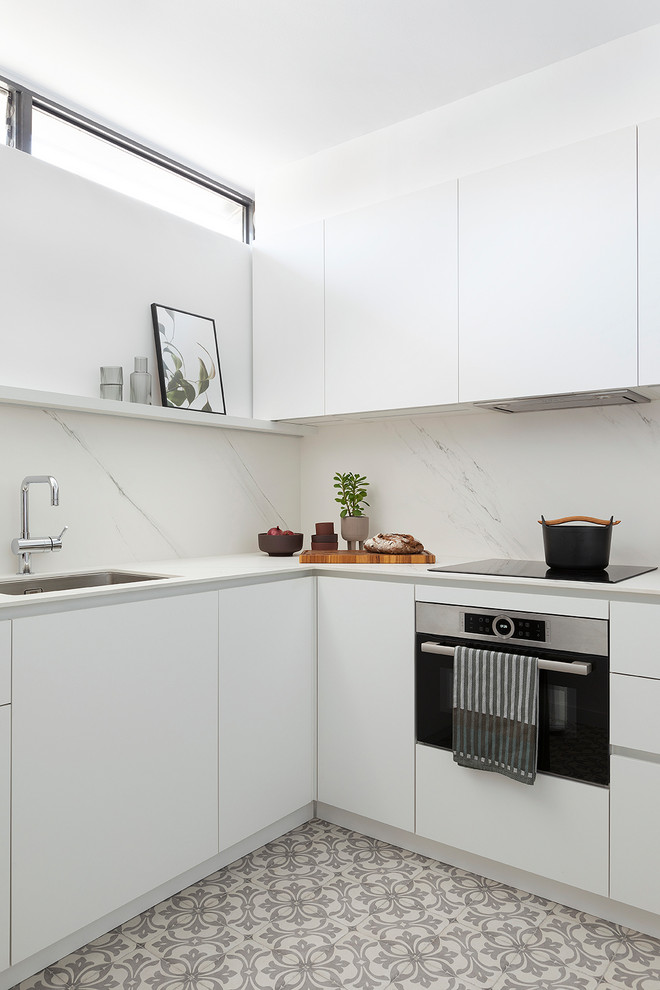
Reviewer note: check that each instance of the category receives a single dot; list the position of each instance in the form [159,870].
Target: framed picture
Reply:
[188,360]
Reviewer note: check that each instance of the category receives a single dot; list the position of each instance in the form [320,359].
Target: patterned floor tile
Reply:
[416,959]
[248,966]
[349,963]
[296,962]
[480,956]
[486,897]
[324,907]
[296,906]
[635,963]
[372,855]
[554,979]
[579,941]
[46,980]
[91,965]
[347,906]
[84,971]
[196,915]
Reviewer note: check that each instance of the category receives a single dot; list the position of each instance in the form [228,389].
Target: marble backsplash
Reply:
[474,485]
[467,485]
[137,490]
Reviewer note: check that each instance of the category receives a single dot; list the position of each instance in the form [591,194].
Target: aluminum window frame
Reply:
[22,100]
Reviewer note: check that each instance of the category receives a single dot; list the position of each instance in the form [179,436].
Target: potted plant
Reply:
[351,493]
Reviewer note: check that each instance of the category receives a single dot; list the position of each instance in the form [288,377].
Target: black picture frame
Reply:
[186,345]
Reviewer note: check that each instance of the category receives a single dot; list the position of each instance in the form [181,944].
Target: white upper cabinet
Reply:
[288,324]
[391,304]
[548,273]
[649,253]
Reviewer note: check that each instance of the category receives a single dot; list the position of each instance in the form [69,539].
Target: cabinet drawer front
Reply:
[531,828]
[634,640]
[634,707]
[5,663]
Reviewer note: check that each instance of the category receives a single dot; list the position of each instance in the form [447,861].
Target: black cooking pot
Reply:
[577,547]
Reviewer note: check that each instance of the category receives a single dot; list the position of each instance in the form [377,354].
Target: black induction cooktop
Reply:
[539,569]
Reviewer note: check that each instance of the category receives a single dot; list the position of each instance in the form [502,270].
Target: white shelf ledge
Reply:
[134,410]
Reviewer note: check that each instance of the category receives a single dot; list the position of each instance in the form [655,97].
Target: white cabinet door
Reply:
[288,324]
[267,751]
[649,252]
[634,647]
[366,733]
[391,303]
[634,708]
[531,828]
[114,759]
[5,663]
[5,729]
[548,272]
[634,816]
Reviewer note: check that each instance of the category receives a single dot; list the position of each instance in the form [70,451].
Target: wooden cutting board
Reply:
[364,557]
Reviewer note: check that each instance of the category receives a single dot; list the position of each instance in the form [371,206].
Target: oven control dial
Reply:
[503,626]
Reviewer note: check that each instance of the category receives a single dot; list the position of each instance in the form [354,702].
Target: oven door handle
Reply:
[576,667]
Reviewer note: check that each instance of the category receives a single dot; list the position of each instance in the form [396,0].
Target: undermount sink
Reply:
[34,585]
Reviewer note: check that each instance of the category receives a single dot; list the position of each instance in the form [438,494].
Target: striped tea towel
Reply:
[495,712]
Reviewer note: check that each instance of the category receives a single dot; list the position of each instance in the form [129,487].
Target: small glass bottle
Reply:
[112,382]
[140,390]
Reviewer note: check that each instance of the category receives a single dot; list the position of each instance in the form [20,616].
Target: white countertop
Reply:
[203,572]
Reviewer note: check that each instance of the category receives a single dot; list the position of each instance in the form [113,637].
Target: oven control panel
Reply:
[505,626]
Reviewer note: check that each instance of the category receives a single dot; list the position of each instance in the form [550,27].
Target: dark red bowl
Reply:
[280,545]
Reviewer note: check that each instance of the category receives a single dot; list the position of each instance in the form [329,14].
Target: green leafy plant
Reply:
[351,493]
[180,389]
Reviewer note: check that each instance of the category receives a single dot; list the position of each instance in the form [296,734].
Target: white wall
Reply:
[601,90]
[474,486]
[80,266]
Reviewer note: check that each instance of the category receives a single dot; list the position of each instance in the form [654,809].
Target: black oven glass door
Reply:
[573,711]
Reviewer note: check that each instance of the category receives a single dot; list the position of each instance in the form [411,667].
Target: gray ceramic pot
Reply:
[355,530]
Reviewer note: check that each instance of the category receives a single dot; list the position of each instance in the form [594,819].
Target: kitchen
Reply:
[452,482]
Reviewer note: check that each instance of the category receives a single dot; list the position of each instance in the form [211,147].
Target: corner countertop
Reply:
[205,573]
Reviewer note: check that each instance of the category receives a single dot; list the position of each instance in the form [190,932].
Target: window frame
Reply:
[22,100]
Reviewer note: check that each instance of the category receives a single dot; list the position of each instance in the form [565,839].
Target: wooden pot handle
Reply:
[600,522]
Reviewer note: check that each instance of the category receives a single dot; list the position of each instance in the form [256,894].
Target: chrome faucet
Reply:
[25,545]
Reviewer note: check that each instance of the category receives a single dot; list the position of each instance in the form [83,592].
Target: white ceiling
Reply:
[240,87]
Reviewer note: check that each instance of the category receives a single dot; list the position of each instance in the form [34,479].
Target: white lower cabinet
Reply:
[5,795]
[635,788]
[635,852]
[5,663]
[366,733]
[114,785]
[267,703]
[554,828]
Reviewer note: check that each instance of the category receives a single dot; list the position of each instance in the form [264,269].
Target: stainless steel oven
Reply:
[573,732]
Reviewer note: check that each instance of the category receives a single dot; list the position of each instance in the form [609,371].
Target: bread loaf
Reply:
[394,543]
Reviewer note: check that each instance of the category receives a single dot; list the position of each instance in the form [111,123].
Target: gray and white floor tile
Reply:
[324,907]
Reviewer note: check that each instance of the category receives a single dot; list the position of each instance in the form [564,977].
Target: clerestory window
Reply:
[66,139]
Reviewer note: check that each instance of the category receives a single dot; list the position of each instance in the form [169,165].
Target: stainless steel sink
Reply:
[34,585]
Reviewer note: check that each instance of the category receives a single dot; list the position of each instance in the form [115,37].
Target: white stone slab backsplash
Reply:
[473,486]
[135,490]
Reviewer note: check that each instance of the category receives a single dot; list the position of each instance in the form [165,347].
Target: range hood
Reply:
[568,400]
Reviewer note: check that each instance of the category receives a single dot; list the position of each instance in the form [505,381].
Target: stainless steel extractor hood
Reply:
[568,400]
